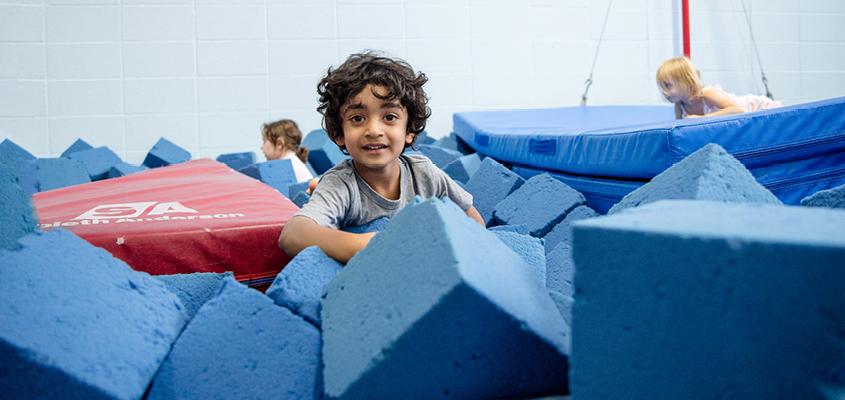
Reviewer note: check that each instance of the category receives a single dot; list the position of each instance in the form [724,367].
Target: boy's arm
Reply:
[301,232]
[474,214]
[723,102]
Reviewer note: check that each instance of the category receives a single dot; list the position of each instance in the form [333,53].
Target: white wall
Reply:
[206,73]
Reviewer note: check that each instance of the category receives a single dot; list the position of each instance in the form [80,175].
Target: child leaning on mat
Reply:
[373,108]
[678,80]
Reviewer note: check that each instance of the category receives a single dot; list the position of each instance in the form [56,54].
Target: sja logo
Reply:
[134,210]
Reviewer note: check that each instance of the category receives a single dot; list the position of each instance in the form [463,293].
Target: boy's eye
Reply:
[356,118]
[391,117]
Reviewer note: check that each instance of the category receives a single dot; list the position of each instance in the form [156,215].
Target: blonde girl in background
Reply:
[679,82]
[282,141]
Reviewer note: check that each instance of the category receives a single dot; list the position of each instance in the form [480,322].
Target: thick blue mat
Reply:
[639,142]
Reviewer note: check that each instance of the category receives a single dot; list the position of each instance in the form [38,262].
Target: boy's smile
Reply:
[375,131]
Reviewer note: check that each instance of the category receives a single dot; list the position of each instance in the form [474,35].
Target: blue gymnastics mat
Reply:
[639,142]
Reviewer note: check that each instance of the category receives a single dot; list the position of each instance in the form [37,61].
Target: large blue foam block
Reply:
[703,300]
[80,324]
[194,289]
[299,286]
[463,168]
[164,153]
[560,270]
[237,161]
[541,203]
[242,346]
[437,307]
[17,216]
[376,225]
[12,154]
[529,248]
[831,198]
[98,161]
[710,173]
[323,153]
[123,169]
[440,156]
[562,232]
[276,173]
[490,185]
[55,173]
[77,145]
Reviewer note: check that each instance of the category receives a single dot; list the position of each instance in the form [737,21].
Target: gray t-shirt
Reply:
[343,198]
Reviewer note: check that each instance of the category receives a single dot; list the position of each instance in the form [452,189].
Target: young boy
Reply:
[373,108]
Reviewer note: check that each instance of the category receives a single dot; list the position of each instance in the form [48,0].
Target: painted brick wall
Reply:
[206,73]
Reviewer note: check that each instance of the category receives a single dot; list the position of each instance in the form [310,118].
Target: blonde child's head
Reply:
[281,137]
[679,73]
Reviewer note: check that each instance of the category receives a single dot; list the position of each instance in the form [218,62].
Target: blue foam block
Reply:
[276,173]
[376,225]
[242,346]
[490,185]
[237,161]
[562,232]
[437,307]
[300,199]
[98,161]
[299,187]
[454,142]
[527,247]
[439,156]
[463,168]
[518,228]
[423,138]
[78,323]
[831,198]
[703,300]
[123,169]
[560,270]
[55,173]
[710,173]
[17,216]
[78,145]
[541,203]
[165,153]
[300,284]
[12,154]
[323,153]
[194,289]
[564,305]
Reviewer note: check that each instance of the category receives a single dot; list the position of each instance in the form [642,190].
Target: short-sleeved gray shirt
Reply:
[343,198]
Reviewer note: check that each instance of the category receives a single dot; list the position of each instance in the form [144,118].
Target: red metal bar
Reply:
[685,13]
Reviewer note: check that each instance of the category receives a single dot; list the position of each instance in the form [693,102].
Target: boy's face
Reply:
[375,131]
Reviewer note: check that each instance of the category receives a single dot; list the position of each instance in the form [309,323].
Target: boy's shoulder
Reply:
[416,159]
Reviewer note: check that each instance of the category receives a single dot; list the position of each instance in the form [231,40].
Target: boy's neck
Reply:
[384,181]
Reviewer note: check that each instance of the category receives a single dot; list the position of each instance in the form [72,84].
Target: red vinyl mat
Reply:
[199,216]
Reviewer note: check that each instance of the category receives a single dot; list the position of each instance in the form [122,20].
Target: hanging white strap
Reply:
[589,81]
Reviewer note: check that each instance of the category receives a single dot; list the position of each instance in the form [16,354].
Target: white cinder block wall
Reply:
[206,73]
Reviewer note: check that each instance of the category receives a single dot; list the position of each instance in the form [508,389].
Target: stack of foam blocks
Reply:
[700,284]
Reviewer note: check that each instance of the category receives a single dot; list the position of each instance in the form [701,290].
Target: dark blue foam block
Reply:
[562,232]
[164,153]
[242,346]
[12,154]
[194,289]
[16,216]
[123,169]
[78,323]
[541,203]
[237,161]
[463,168]
[437,307]
[276,173]
[564,305]
[300,284]
[441,157]
[55,173]
[708,174]
[323,153]
[702,300]
[490,185]
[77,145]
[527,247]
[376,225]
[560,270]
[300,199]
[453,142]
[98,161]
[299,187]
[831,198]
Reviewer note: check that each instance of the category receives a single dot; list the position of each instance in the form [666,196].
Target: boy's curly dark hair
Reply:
[359,70]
